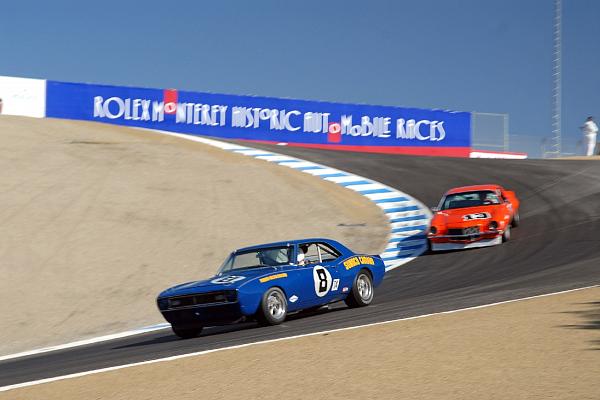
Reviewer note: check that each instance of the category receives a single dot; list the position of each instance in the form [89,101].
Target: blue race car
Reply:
[268,281]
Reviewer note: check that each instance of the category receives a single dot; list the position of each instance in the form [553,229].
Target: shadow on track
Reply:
[590,320]
[241,326]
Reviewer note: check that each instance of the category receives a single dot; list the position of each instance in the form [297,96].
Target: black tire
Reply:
[362,290]
[186,333]
[516,220]
[273,307]
[428,249]
[506,234]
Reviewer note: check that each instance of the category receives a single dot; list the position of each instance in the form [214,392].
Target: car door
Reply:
[320,274]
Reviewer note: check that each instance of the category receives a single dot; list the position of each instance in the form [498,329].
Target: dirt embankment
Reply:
[95,220]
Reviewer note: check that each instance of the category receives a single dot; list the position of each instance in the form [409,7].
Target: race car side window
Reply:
[328,253]
[316,253]
[311,253]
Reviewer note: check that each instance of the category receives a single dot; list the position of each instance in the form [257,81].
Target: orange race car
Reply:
[473,216]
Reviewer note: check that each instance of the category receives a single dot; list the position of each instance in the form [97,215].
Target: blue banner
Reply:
[322,124]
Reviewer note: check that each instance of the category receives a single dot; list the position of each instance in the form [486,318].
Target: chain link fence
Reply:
[489,131]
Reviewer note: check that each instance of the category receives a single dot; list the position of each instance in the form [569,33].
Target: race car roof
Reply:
[474,188]
[332,242]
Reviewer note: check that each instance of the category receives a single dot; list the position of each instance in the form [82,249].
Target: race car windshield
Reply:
[259,258]
[470,199]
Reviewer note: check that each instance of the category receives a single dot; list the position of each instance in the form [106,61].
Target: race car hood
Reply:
[465,216]
[218,282]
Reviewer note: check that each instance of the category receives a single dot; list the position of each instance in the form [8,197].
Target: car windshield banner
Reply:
[339,126]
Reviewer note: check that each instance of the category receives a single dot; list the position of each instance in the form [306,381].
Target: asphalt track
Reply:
[557,247]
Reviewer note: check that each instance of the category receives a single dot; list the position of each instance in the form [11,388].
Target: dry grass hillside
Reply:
[95,220]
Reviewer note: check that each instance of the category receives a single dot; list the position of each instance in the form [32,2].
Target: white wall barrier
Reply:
[23,96]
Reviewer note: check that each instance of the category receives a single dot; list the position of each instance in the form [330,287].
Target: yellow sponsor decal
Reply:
[354,261]
[366,260]
[273,277]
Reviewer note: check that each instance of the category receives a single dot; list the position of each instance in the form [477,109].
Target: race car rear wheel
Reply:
[362,290]
[273,307]
[186,333]
[516,220]
[506,234]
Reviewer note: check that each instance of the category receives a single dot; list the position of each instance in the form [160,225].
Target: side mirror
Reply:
[435,209]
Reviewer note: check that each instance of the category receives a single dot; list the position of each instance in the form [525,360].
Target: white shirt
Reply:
[590,128]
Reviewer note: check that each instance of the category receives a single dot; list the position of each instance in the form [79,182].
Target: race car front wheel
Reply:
[362,290]
[186,333]
[516,220]
[506,234]
[273,307]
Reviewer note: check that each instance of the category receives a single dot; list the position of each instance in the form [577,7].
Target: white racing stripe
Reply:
[199,353]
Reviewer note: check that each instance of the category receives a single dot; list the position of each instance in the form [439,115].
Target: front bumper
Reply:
[449,244]
[200,316]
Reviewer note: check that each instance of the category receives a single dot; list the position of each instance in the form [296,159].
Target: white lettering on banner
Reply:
[158,111]
[273,119]
[180,113]
[200,114]
[411,129]
[316,122]
[170,107]
[146,110]
[120,108]
[378,127]
[244,117]
[98,113]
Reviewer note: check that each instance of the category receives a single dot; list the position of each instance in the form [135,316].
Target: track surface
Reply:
[557,247]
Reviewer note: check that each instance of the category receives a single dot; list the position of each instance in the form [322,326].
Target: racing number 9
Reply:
[322,280]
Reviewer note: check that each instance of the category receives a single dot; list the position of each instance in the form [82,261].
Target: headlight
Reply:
[231,295]
[433,230]
[220,297]
[493,225]
[163,304]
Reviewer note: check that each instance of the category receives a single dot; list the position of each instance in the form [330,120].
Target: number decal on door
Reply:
[336,285]
[322,279]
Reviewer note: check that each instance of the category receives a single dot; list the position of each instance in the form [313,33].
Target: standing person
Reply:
[0,105]
[590,130]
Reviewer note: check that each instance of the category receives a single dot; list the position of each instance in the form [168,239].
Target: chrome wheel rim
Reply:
[365,289]
[276,305]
